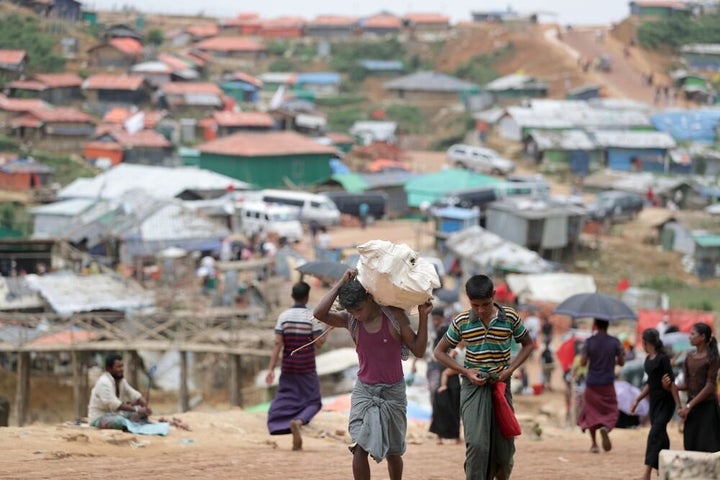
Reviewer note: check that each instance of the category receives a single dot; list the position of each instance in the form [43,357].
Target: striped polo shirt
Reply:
[298,327]
[487,349]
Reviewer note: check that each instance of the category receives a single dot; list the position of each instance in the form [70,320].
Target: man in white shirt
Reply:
[112,396]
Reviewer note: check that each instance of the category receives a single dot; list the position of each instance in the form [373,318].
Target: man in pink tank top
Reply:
[378,420]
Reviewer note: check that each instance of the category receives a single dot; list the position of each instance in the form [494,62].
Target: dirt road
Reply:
[233,444]
[625,79]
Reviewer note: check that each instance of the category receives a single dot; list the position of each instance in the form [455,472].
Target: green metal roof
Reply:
[351,182]
[433,186]
[707,240]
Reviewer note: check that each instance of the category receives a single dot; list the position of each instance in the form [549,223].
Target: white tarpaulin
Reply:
[486,250]
[550,287]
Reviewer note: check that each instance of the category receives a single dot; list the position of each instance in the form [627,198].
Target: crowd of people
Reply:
[471,355]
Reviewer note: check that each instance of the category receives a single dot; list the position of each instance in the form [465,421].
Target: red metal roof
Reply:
[20,104]
[12,57]
[117,116]
[660,3]
[58,80]
[114,146]
[243,119]
[283,22]
[249,144]
[181,88]
[339,137]
[203,31]
[129,46]
[425,18]
[143,138]
[247,78]
[26,120]
[173,62]
[230,44]
[332,21]
[28,85]
[106,81]
[382,21]
[62,115]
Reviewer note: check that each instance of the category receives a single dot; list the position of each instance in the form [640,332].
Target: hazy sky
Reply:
[568,11]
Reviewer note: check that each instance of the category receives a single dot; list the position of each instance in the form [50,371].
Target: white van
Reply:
[270,218]
[312,207]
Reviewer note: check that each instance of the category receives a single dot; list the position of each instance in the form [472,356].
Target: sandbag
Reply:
[395,275]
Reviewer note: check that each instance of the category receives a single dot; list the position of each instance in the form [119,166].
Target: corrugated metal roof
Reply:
[181,88]
[113,82]
[243,119]
[207,30]
[514,81]
[562,140]
[62,114]
[351,182]
[575,114]
[432,186]
[249,144]
[707,239]
[381,65]
[428,81]
[320,78]
[160,182]
[384,21]
[626,139]
[12,57]
[230,44]
[332,21]
[21,104]
[129,46]
[702,48]
[423,18]
[24,165]
[68,293]
[65,208]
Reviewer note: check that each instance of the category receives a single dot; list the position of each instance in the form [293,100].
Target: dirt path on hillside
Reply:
[625,80]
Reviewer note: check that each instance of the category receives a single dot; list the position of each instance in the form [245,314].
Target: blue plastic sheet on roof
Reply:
[689,125]
[337,167]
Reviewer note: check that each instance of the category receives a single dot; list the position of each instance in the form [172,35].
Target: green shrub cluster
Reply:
[675,31]
[25,33]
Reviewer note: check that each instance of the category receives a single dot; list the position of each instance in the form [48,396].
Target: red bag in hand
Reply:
[509,426]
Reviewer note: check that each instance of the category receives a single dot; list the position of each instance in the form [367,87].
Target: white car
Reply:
[479,159]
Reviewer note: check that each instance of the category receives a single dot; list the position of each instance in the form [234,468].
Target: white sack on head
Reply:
[394,275]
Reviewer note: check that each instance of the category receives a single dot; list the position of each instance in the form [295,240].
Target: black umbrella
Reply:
[446,295]
[324,269]
[595,305]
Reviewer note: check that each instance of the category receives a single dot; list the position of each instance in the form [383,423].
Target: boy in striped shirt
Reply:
[488,330]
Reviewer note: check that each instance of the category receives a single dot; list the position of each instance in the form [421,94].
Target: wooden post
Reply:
[234,383]
[78,384]
[22,395]
[184,395]
[131,361]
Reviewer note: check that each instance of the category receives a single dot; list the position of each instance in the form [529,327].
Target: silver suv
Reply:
[479,159]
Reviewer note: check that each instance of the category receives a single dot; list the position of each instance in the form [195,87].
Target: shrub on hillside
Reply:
[675,32]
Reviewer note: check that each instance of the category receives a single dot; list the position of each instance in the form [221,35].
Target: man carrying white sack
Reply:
[378,421]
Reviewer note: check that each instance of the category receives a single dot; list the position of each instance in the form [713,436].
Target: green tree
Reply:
[26,33]
[156,37]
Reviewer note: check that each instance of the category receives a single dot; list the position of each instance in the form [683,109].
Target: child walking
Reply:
[662,400]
